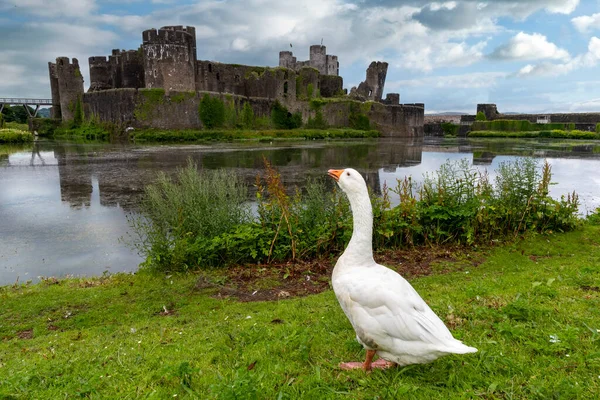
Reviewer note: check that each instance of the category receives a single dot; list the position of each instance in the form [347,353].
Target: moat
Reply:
[64,206]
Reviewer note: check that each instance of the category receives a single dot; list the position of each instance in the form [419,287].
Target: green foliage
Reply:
[309,91]
[283,119]
[573,134]
[248,119]
[9,135]
[598,128]
[46,126]
[231,118]
[510,125]
[212,112]
[180,97]
[78,115]
[149,100]
[358,120]
[480,116]
[181,218]
[16,113]
[457,204]
[449,128]
[1,121]
[318,122]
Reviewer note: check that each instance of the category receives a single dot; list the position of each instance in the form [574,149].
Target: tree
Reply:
[480,116]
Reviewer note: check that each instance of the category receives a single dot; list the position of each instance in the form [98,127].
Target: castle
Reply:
[160,86]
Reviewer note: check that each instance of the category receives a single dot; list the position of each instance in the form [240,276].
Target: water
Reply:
[63,206]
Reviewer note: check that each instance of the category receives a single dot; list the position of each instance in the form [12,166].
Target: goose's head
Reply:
[349,180]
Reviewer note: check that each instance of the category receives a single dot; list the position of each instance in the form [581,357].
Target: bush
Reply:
[283,119]
[202,220]
[8,135]
[358,120]
[480,116]
[248,119]
[318,122]
[180,217]
[212,112]
[449,128]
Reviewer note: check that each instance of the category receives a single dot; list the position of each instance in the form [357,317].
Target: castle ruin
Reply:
[166,66]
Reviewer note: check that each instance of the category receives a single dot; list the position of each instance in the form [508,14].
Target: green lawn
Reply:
[532,309]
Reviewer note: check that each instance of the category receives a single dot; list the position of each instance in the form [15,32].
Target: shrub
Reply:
[318,122]
[449,128]
[358,120]
[202,219]
[480,116]
[212,112]
[283,119]
[248,120]
[8,135]
[180,217]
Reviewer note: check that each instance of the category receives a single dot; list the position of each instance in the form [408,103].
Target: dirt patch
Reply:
[302,278]
[590,288]
[26,334]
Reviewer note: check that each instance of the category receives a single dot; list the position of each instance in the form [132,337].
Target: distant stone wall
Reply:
[582,121]
[179,110]
[154,109]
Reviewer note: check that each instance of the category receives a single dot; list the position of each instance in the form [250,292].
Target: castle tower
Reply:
[333,66]
[131,68]
[100,74]
[318,58]
[55,110]
[372,87]
[169,56]
[287,59]
[66,85]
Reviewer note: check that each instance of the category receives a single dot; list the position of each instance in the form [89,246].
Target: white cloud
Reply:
[587,22]
[462,81]
[460,54]
[586,60]
[524,46]
[57,8]
[562,7]
[240,44]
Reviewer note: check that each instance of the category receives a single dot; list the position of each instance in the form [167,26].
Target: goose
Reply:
[388,315]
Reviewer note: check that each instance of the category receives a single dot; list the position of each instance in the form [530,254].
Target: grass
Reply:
[152,135]
[531,309]
[10,135]
[573,134]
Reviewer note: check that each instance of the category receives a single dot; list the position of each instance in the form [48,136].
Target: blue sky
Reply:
[523,55]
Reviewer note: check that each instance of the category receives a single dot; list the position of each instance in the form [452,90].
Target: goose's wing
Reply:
[383,304]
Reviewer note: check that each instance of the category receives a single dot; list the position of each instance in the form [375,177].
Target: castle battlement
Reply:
[326,64]
[97,60]
[166,35]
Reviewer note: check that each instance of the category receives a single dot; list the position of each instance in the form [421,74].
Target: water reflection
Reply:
[63,206]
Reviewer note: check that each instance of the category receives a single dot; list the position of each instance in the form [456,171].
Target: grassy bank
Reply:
[154,135]
[561,134]
[531,308]
[10,135]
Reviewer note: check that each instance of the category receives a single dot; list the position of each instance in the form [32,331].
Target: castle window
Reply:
[370,92]
[285,88]
[218,76]
[237,78]
[209,67]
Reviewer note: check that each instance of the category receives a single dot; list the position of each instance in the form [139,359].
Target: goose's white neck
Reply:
[359,251]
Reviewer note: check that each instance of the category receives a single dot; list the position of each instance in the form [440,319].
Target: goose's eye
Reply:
[348,173]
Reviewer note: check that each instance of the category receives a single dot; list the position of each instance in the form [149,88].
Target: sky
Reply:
[524,55]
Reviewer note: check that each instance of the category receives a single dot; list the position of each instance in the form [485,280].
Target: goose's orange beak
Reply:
[335,173]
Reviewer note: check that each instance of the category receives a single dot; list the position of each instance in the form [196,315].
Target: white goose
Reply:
[389,317]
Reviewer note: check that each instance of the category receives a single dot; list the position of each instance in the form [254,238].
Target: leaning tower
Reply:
[170,58]
[66,85]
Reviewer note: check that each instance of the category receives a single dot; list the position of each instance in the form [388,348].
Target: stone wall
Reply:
[151,108]
[330,85]
[583,121]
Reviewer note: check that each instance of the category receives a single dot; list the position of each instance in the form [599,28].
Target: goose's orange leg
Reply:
[368,364]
